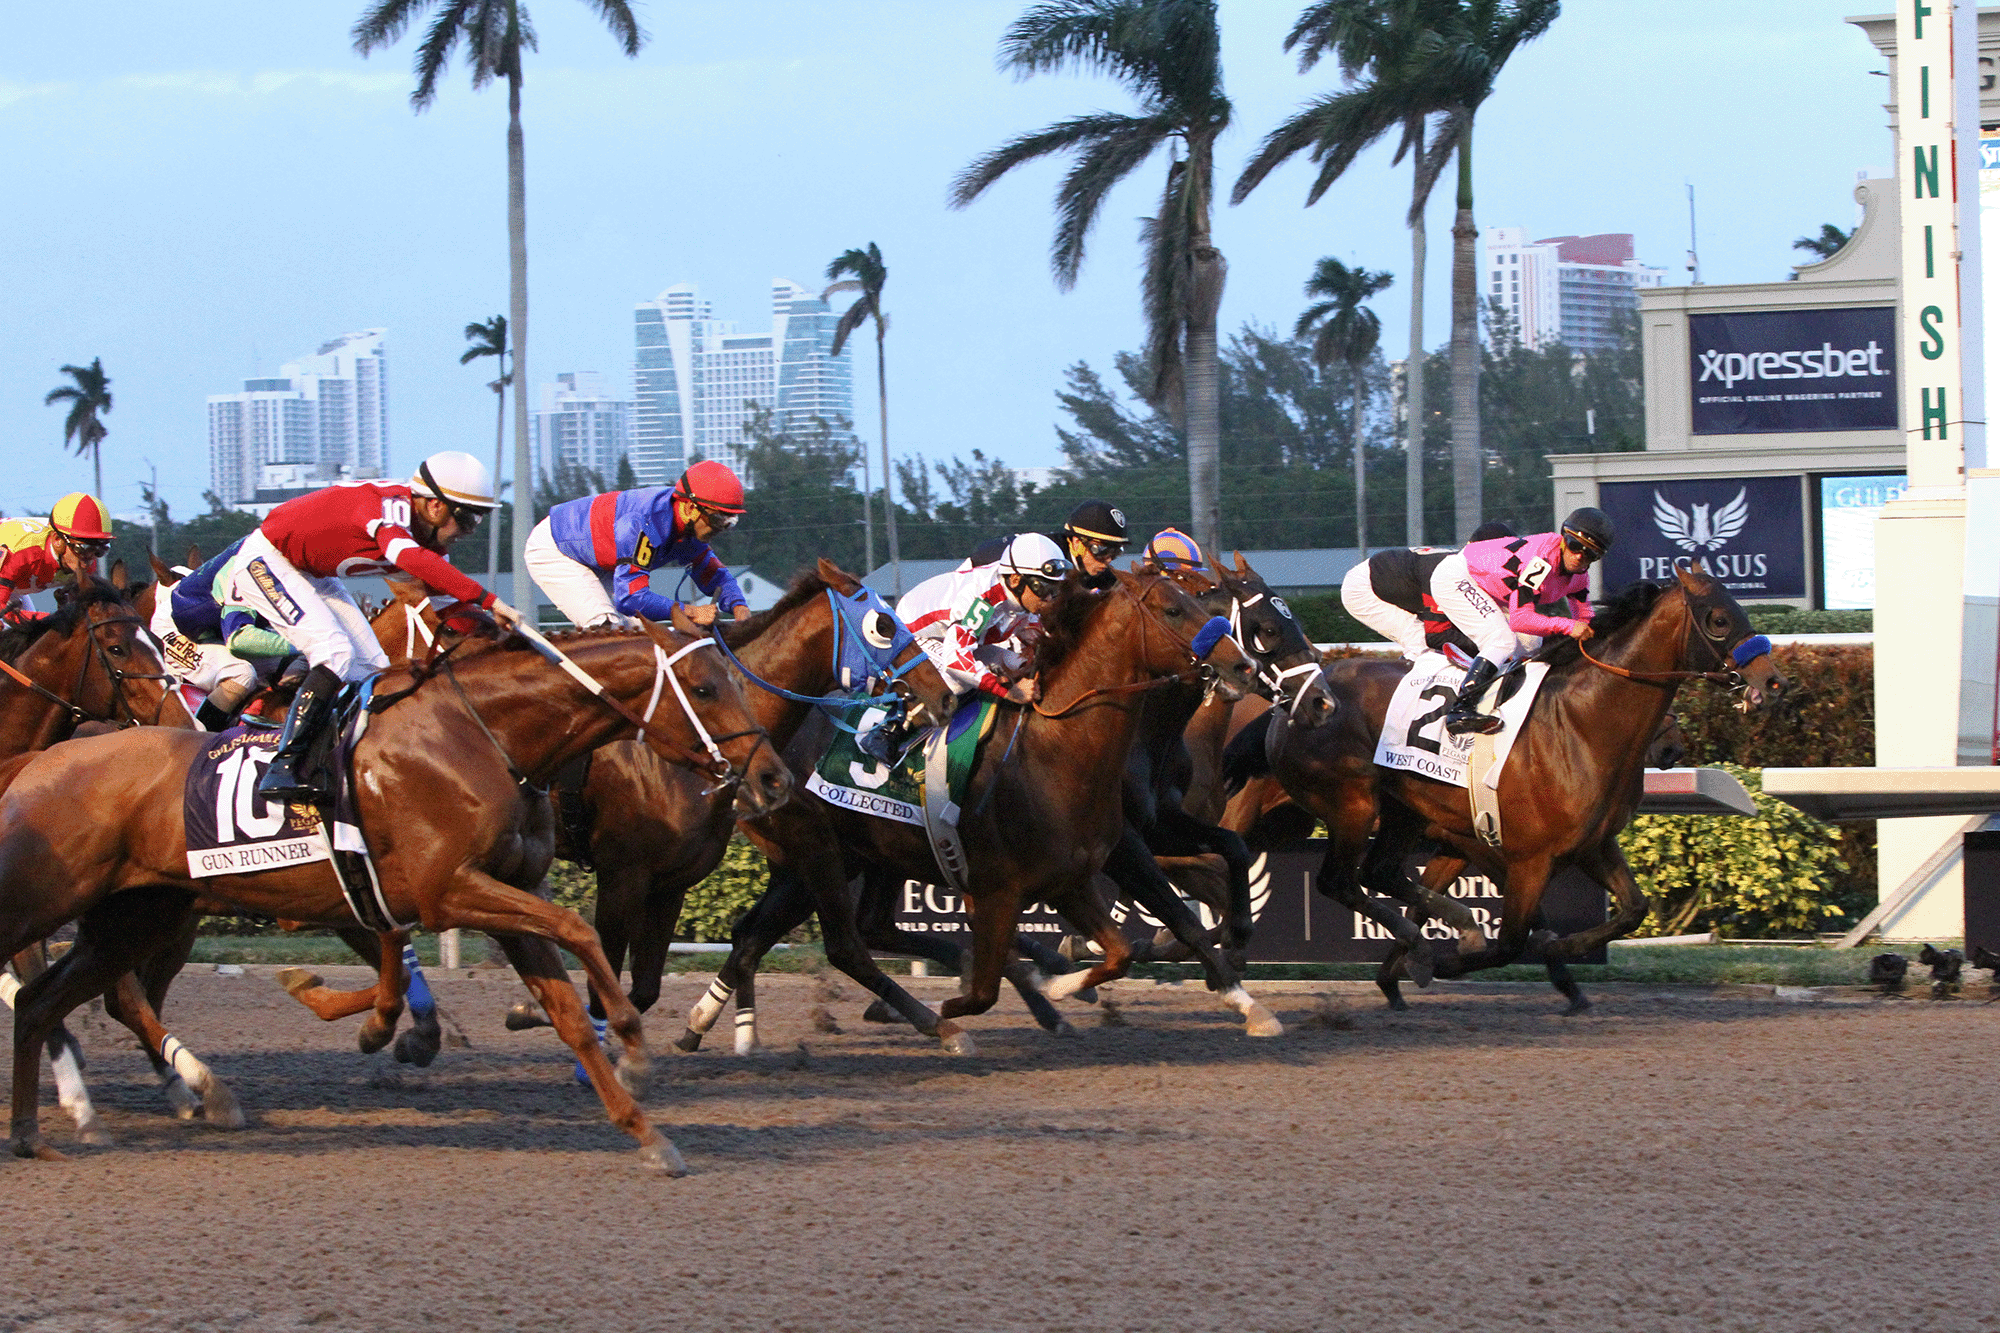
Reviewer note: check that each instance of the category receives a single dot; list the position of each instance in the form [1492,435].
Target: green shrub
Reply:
[729,891]
[1325,620]
[1744,877]
[1770,618]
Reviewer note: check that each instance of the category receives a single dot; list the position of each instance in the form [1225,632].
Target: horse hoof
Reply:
[182,1099]
[661,1156]
[1063,1028]
[689,1041]
[1263,1023]
[220,1108]
[94,1134]
[416,1048]
[1088,995]
[882,1012]
[956,1040]
[1471,940]
[1580,1005]
[36,1150]
[524,1016]
[1419,967]
[296,979]
[374,1035]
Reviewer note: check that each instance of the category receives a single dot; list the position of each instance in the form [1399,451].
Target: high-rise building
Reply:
[694,376]
[583,423]
[321,419]
[1575,289]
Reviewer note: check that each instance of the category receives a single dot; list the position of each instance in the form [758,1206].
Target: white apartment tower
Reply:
[1575,289]
[322,418]
[694,375]
[583,422]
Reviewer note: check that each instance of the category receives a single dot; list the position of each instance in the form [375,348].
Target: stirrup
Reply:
[1471,721]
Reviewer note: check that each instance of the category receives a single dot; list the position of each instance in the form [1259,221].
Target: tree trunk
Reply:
[888,501]
[1204,410]
[1413,397]
[867,515]
[97,469]
[1360,465]
[1468,460]
[517,328]
[499,459]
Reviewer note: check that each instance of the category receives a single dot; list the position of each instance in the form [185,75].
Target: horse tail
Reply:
[1248,754]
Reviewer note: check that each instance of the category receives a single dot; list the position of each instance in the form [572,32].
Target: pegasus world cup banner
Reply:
[1778,371]
[1747,532]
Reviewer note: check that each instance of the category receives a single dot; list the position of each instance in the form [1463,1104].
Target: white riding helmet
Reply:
[1033,553]
[455,477]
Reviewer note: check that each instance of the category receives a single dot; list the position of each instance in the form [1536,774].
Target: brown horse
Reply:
[1570,787]
[451,783]
[1043,809]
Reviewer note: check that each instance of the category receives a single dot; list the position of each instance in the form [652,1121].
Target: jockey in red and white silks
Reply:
[1506,595]
[972,620]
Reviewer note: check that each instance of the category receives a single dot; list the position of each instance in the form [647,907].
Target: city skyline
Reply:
[1572,289]
[322,418]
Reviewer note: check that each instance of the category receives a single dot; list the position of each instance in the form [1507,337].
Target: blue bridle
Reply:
[862,654]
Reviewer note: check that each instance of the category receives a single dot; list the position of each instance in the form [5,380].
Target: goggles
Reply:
[1576,546]
[1103,550]
[1044,581]
[90,548]
[718,520]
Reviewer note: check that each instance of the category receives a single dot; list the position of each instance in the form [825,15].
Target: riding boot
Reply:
[1465,715]
[310,707]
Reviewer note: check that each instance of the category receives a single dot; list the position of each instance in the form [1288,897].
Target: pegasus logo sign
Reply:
[1693,529]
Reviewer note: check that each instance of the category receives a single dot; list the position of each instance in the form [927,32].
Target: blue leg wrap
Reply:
[418,992]
[601,1026]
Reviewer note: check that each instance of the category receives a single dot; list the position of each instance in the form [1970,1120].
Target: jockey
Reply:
[1508,593]
[1173,549]
[198,640]
[1094,535]
[36,552]
[593,556]
[1390,593]
[288,573]
[971,620]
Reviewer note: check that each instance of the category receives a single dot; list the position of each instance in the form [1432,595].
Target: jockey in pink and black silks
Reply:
[594,557]
[1508,594]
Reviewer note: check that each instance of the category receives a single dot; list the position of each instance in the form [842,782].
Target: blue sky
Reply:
[200,194]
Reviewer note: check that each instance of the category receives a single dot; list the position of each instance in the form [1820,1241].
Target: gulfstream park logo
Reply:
[1704,530]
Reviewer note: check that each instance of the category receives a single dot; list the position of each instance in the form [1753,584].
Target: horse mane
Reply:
[805,587]
[1628,607]
[1065,620]
[17,639]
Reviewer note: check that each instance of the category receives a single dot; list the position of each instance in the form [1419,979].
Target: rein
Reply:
[888,674]
[1668,677]
[1197,670]
[114,675]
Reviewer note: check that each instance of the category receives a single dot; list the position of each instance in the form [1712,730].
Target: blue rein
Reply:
[884,671]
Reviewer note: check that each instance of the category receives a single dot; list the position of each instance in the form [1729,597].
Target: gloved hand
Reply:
[506,616]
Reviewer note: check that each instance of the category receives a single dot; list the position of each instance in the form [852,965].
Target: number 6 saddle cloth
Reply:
[1413,736]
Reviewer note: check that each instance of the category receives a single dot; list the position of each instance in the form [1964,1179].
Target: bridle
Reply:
[1198,668]
[1288,684]
[115,676]
[1728,656]
[882,671]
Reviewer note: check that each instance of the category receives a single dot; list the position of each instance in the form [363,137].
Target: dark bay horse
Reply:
[1568,790]
[1043,809]
[451,787]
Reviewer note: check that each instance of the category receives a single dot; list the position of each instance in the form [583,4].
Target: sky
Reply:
[200,195]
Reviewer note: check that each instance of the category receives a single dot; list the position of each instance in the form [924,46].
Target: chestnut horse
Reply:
[452,789]
[1043,808]
[1571,785]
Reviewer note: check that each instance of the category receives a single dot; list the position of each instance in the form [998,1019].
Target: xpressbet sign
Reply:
[1783,371]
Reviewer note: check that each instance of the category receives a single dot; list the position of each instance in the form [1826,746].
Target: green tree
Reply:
[89,398]
[628,480]
[494,34]
[1346,331]
[1830,241]
[490,339]
[802,493]
[1168,54]
[863,272]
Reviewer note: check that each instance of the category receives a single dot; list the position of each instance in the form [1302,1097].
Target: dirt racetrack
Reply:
[1667,1162]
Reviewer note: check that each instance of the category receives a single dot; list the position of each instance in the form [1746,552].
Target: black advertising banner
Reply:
[1294,923]
[1779,371]
[1748,532]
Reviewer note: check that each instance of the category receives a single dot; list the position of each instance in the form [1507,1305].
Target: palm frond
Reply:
[1165,297]
[624,24]
[1098,168]
[383,22]
[433,56]
[851,319]
[990,167]
[1452,127]
[1296,133]
[1090,35]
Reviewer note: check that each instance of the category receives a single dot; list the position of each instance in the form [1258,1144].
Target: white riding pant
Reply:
[1474,611]
[581,593]
[202,666]
[1392,622]
[318,615]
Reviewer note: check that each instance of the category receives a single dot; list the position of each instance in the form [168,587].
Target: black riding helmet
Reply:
[1491,530]
[1099,521]
[1589,530]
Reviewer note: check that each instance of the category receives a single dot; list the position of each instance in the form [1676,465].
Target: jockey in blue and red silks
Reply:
[593,556]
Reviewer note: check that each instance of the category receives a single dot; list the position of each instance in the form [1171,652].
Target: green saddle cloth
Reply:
[846,777]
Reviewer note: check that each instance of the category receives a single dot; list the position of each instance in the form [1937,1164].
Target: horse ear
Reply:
[682,624]
[118,579]
[1242,570]
[833,576]
[1695,581]
[161,570]
[408,591]
[194,556]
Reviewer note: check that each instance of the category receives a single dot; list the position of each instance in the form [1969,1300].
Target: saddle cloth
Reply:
[1413,736]
[846,777]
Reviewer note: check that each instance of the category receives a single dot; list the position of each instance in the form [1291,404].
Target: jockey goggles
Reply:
[718,520]
[1578,546]
[465,516]
[90,548]
[1103,550]
[1044,581]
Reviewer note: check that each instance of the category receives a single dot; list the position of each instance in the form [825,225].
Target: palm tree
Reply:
[494,34]
[1374,43]
[1827,244]
[83,430]
[490,339]
[868,275]
[1168,54]
[1345,330]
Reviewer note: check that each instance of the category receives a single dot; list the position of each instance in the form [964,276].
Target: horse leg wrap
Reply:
[218,1103]
[1064,986]
[597,1025]
[418,992]
[1257,1020]
[708,1008]
[746,1031]
[10,986]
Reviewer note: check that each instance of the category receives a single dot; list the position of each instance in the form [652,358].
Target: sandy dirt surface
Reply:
[1664,1163]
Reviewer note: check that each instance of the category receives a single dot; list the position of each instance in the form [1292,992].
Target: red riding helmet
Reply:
[81,518]
[711,485]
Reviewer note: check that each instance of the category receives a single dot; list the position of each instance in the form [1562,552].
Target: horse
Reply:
[451,782]
[1570,787]
[1043,810]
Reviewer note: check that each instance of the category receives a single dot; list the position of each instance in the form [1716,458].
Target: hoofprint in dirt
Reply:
[1676,1163]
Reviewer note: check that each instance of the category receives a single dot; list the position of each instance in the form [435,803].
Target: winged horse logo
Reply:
[1694,528]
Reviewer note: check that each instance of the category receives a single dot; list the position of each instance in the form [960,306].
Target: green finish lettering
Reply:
[1924,92]
[1926,171]
[1930,259]
[1923,11]
[1933,344]
[1934,413]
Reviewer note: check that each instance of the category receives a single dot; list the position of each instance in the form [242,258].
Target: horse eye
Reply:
[1173,613]
[704,692]
[118,650]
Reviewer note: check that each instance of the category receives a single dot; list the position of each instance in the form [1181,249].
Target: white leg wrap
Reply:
[70,1091]
[1066,985]
[10,986]
[184,1063]
[746,1031]
[708,1008]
